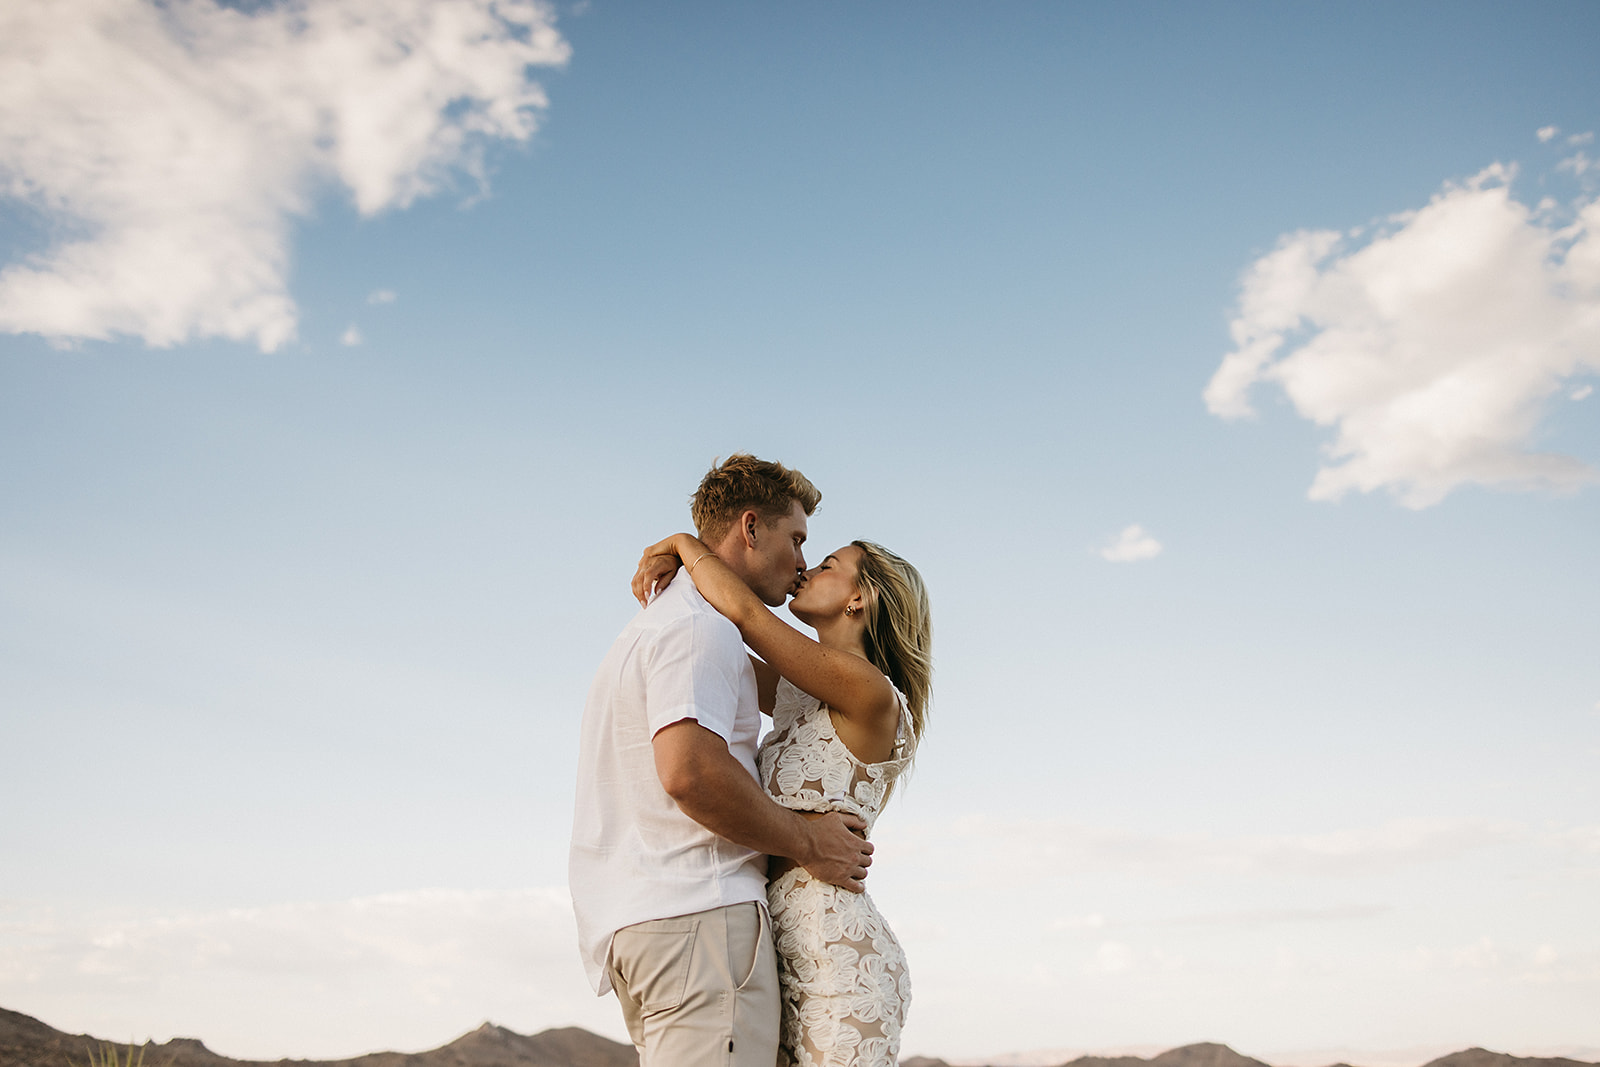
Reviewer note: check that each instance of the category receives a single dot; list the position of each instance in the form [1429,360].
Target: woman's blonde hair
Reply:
[899,637]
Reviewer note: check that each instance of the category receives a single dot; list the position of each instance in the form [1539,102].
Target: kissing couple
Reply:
[717,876]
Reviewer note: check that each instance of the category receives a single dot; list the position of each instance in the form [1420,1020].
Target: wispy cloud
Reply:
[1112,957]
[1534,964]
[381,296]
[1247,919]
[409,970]
[169,144]
[351,336]
[1582,839]
[1130,546]
[1430,343]
[1400,843]
[1578,164]
[1277,916]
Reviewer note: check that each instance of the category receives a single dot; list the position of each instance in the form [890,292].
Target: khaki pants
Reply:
[700,989]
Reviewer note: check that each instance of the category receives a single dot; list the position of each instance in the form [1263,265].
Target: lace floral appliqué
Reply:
[843,975]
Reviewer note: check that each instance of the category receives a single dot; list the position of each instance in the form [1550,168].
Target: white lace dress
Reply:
[843,976]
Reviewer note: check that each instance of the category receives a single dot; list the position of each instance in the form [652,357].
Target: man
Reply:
[672,829]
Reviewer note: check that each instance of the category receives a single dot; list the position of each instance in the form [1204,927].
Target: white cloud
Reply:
[1112,957]
[381,296]
[1243,919]
[1580,839]
[404,970]
[1541,964]
[1546,133]
[1481,955]
[351,336]
[1259,917]
[172,142]
[1581,138]
[1578,164]
[1061,846]
[1581,392]
[1430,345]
[1131,545]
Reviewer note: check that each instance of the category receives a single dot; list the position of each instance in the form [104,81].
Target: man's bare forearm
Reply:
[715,790]
[729,803]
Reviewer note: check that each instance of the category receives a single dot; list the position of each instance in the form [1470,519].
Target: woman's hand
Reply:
[662,560]
[654,574]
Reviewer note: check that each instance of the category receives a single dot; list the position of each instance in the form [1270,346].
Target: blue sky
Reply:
[341,384]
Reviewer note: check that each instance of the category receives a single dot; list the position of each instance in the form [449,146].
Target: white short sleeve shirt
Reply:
[634,855]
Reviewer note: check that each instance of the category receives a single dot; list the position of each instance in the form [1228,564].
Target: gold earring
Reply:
[849,610]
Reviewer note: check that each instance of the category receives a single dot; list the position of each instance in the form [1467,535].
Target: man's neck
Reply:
[730,550]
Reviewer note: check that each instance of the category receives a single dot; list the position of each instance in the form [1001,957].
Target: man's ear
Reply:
[749,519]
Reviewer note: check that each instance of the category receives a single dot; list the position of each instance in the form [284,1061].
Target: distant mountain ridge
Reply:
[1209,1054]
[27,1042]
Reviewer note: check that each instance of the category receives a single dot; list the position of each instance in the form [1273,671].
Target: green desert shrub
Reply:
[107,1055]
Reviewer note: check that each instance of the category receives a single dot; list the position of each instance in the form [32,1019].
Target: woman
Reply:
[848,710]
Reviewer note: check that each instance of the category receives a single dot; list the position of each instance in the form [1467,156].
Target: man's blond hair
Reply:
[744,483]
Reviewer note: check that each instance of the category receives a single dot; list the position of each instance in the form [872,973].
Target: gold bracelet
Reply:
[698,558]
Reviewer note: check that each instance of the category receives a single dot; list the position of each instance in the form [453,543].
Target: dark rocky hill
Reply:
[1201,1055]
[1482,1057]
[27,1042]
[1205,1054]
[1208,1054]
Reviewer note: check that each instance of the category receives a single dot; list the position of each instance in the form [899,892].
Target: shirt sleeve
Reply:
[696,671]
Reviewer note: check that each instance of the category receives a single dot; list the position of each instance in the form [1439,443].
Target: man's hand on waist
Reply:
[835,851]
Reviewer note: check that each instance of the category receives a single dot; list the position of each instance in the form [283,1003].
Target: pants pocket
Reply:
[746,940]
[652,960]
